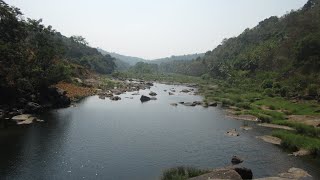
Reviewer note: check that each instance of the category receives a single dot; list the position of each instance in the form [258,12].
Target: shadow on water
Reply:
[21,145]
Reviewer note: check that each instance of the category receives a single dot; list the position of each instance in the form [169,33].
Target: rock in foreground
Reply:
[219,174]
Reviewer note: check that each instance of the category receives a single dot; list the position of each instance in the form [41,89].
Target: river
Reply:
[127,139]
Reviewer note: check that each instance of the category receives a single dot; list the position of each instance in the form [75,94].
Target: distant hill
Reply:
[126,59]
[187,57]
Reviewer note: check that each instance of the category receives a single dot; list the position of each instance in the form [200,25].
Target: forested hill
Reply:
[289,45]
[34,56]
[187,57]
[283,50]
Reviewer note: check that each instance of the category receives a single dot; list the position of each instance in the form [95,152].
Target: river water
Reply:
[127,139]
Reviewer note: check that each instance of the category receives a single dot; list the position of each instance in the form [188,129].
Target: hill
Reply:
[187,57]
[126,59]
[34,57]
[281,54]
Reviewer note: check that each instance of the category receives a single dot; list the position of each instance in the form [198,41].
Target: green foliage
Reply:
[301,108]
[294,141]
[300,128]
[34,56]
[144,68]
[182,173]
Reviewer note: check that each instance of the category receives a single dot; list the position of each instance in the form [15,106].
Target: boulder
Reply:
[185,91]
[152,93]
[295,173]
[197,103]
[245,173]
[33,107]
[149,84]
[213,104]
[144,98]
[135,94]
[115,98]
[219,174]
[57,97]
[236,160]
[170,93]
[23,119]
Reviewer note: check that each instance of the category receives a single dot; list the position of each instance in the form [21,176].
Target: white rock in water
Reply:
[24,119]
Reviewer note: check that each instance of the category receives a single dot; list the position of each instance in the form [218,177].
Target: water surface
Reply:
[127,139]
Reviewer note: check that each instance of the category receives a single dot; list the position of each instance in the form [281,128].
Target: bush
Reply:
[268,92]
[267,84]
[182,173]
[313,90]
[294,141]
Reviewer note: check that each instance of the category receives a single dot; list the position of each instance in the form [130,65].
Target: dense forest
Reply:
[34,56]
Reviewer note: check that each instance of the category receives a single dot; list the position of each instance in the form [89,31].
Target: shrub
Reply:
[267,84]
[182,173]
[313,90]
[268,92]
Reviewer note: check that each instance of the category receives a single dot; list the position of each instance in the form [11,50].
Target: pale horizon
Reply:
[156,29]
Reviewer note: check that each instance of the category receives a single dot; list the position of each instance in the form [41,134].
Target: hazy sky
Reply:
[154,28]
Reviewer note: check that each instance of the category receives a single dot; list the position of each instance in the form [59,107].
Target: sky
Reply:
[153,29]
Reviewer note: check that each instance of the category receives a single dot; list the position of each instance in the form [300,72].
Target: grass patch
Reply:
[295,142]
[301,108]
[300,128]
[182,173]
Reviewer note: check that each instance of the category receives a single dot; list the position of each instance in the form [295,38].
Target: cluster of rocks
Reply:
[232,132]
[234,172]
[129,86]
[237,172]
[199,103]
[19,111]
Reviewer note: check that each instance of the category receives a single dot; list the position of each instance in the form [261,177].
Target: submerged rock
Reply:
[246,128]
[170,93]
[153,98]
[189,104]
[174,104]
[144,98]
[232,132]
[270,139]
[236,160]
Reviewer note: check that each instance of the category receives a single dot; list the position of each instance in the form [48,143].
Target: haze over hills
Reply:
[127,61]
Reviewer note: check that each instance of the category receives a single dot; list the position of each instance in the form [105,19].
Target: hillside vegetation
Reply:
[34,56]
